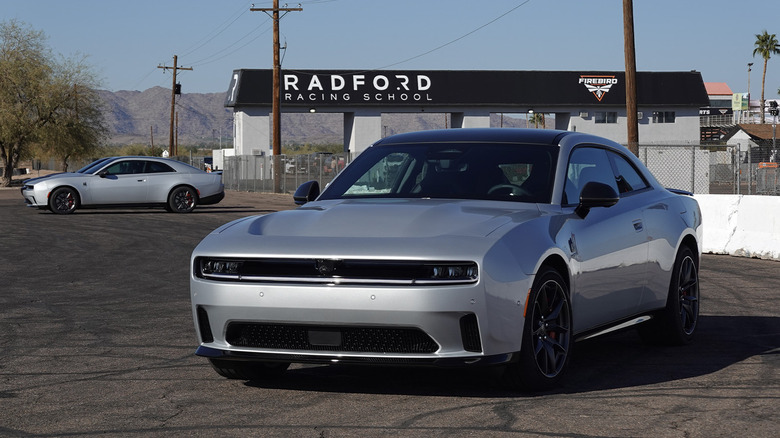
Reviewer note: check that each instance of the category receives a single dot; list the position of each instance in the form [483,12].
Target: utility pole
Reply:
[275,107]
[171,145]
[630,55]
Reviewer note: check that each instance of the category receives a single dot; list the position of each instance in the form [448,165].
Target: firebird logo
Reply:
[598,85]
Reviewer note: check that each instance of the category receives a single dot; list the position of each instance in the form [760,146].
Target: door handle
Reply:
[638,226]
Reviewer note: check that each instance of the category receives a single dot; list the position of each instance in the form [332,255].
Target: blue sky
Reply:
[126,41]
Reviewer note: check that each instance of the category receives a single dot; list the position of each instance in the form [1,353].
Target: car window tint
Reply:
[93,166]
[587,164]
[120,168]
[382,176]
[126,167]
[628,178]
[508,172]
[157,167]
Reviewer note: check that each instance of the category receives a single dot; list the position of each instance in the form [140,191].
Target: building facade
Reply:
[590,101]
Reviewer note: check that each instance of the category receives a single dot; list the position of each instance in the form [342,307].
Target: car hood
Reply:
[51,177]
[391,227]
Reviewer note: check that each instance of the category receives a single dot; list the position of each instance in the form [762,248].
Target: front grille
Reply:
[328,338]
[337,271]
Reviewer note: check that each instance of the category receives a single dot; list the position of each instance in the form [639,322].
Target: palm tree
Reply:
[766,45]
[537,118]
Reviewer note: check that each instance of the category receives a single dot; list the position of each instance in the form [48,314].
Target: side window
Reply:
[587,164]
[156,167]
[125,167]
[628,178]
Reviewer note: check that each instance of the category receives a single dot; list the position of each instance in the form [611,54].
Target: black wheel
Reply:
[182,200]
[63,200]
[676,323]
[248,370]
[547,335]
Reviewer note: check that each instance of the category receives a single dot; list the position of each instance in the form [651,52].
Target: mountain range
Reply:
[203,120]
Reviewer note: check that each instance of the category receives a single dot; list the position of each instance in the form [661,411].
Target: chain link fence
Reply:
[706,169]
[696,168]
[700,169]
[254,173]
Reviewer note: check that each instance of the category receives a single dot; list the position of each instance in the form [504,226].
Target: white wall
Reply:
[252,131]
[685,128]
[741,225]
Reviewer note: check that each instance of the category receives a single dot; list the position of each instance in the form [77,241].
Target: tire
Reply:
[63,200]
[676,323]
[248,370]
[182,200]
[547,336]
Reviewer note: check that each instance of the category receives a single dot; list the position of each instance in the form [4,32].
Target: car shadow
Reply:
[619,360]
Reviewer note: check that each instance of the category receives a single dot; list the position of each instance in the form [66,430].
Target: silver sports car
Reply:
[454,247]
[126,181]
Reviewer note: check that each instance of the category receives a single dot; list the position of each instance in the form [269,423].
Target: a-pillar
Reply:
[361,130]
[470,120]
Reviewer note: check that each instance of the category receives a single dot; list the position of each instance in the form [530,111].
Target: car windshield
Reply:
[91,167]
[508,172]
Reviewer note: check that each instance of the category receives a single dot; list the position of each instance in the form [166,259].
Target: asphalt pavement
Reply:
[97,339]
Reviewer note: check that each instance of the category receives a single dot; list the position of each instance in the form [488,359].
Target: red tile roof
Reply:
[717,88]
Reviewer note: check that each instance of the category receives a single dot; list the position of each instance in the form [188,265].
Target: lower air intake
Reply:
[328,338]
[469,332]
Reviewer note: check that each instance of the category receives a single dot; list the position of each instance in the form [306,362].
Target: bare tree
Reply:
[43,100]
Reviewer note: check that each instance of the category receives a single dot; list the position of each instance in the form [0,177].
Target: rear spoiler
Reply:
[680,192]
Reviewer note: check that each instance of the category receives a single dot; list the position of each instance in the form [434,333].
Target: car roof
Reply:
[498,135]
[553,137]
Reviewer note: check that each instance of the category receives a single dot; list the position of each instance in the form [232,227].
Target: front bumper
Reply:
[440,326]
[33,198]
[332,359]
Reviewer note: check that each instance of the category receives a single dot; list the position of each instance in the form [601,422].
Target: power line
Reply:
[460,37]
[208,60]
[222,27]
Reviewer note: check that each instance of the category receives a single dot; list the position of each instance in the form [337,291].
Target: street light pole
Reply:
[750,65]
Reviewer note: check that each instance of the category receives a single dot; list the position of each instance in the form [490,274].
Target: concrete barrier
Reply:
[741,225]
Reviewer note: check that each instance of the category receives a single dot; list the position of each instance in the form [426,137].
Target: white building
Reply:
[592,102]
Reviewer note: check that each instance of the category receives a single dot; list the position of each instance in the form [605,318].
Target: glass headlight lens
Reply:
[460,271]
[219,267]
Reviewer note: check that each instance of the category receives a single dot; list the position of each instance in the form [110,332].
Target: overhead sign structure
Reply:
[350,88]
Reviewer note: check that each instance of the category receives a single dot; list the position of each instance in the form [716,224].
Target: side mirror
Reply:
[306,192]
[595,194]
[102,173]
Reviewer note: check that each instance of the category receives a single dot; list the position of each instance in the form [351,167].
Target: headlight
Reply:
[462,272]
[224,269]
